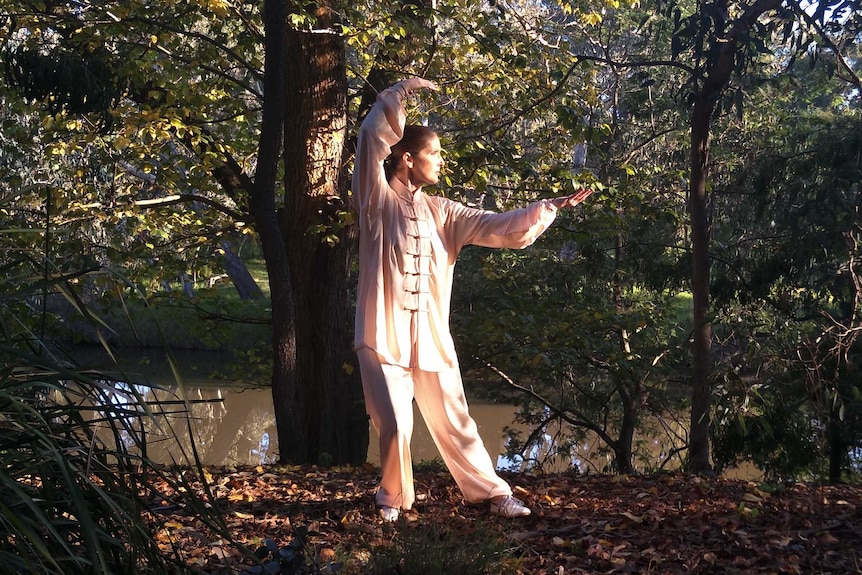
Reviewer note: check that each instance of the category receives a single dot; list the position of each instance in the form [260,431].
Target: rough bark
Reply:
[329,403]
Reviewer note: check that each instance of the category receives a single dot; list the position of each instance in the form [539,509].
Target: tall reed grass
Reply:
[76,496]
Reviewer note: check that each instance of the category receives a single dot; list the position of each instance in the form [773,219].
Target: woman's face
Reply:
[426,164]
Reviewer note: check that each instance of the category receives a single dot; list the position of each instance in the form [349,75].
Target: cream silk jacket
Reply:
[408,244]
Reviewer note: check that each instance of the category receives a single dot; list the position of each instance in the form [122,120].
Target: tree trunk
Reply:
[246,287]
[836,446]
[263,208]
[623,446]
[329,399]
[719,71]
[698,461]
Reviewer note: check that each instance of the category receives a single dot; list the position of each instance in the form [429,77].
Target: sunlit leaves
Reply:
[185,103]
[217,7]
[592,18]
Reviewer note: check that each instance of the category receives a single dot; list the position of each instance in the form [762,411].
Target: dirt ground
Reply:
[310,520]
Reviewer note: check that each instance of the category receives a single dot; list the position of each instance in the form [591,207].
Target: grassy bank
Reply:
[211,317]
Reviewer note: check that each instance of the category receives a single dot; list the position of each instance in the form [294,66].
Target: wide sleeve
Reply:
[382,128]
[513,229]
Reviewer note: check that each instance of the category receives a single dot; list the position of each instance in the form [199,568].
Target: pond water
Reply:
[234,424]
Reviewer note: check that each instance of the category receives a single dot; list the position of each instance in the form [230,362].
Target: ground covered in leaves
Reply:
[309,520]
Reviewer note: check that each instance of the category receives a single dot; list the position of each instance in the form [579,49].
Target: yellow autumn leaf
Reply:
[592,18]
[633,517]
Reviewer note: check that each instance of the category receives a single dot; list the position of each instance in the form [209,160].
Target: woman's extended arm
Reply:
[513,229]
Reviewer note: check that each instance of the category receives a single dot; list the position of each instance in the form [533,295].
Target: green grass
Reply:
[681,305]
[224,288]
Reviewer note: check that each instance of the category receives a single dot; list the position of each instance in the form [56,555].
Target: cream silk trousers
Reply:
[389,393]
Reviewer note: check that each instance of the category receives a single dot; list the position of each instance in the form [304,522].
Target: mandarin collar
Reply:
[403,192]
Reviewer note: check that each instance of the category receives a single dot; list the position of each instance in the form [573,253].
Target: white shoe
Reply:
[508,506]
[388,514]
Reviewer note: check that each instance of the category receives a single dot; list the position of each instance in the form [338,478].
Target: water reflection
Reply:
[234,425]
[231,424]
[228,425]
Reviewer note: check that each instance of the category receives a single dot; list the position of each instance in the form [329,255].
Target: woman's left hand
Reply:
[572,200]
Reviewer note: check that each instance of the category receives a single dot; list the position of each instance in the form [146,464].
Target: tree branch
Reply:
[521,112]
[638,64]
[564,415]
[184,198]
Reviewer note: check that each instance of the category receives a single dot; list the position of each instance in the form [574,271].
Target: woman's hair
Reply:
[415,139]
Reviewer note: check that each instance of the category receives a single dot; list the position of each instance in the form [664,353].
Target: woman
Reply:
[408,243]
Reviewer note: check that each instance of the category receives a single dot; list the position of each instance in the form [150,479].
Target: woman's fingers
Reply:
[412,84]
[583,194]
[573,200]
[428,84]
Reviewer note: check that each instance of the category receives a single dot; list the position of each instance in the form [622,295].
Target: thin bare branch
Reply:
[187,198]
